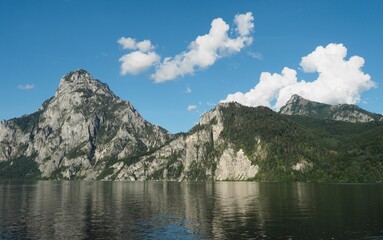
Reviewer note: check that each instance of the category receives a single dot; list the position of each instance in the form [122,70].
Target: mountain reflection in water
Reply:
[189,210]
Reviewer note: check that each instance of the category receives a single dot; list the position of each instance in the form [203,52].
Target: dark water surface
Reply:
[190,210]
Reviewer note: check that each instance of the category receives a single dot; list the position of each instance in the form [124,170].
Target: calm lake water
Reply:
[190,210]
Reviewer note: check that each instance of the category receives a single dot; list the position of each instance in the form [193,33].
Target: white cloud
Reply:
[202,53]
[26,86]
[127,43]
[136,62]
[140,60]
[191,107]
[267,89]
[244,23]
[339,81]
[145,46]
[132,44]
[205,50]
[188,90]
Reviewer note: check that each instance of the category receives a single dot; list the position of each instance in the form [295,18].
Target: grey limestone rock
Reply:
[79,130]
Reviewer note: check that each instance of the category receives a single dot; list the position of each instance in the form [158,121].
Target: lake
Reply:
[189,210]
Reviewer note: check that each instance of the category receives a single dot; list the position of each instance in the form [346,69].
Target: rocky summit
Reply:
[87,132]
[298,105]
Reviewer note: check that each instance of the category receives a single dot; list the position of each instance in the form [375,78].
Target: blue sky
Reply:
[40,41]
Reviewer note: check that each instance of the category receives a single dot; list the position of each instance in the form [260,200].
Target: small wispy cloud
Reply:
[256,55]
[188,90]
[26,86]
[191,107]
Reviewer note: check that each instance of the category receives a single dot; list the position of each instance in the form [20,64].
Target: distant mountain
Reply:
[297,105]
[86,132]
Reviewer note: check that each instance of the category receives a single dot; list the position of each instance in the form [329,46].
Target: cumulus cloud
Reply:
[132,44]
[127,43]
[266,90]
[191,107]
[202,53]
[244,23]
[26,86]
[339,81]
[137,62]
[206,49]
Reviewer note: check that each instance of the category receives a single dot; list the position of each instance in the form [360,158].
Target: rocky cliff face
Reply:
[76,133]
[297,105]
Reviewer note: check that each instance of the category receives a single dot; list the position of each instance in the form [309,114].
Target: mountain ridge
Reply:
[87,132]
[298,105]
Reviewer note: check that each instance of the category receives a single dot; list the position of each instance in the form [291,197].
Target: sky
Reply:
[176,59]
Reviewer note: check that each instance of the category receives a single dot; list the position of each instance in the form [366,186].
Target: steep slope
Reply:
[76,133]
[234,142]
[297,105]
[306,149]
[200,154]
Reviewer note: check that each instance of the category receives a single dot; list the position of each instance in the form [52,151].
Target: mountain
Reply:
[235,142]
[86,132]
[200,154]
[76,133]
[297,105]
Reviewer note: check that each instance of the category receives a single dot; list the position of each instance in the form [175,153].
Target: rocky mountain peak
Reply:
[78,75]
[216,113]
[82,81]
[295,102]
[78,78]
[84,124]
[296,98]
[298,105]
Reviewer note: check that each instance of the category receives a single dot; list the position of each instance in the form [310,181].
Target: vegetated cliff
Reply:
[86,132]
[234,142]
